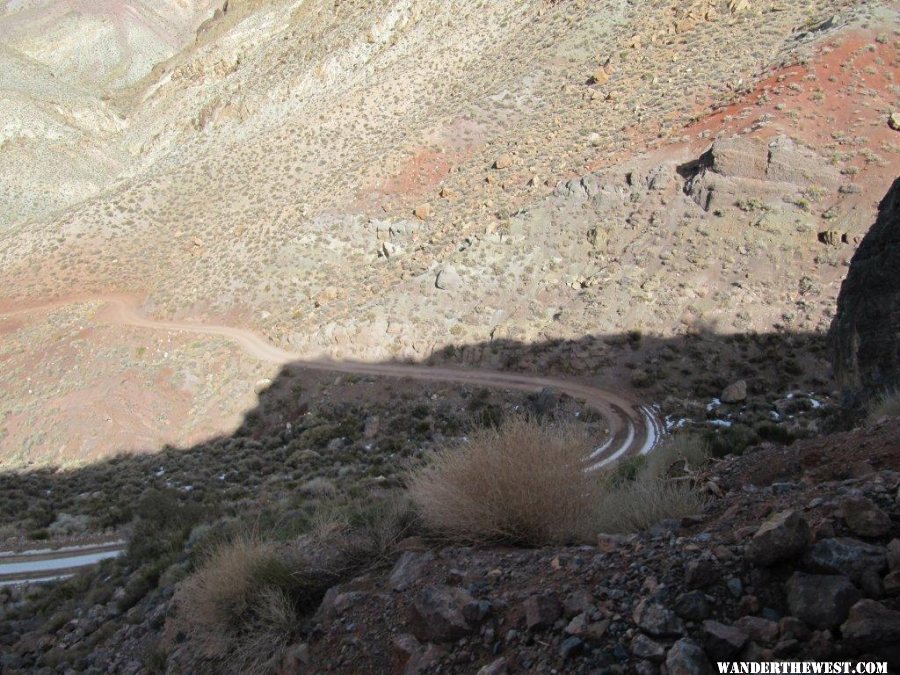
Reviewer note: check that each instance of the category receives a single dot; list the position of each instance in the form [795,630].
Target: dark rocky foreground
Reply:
[803,564]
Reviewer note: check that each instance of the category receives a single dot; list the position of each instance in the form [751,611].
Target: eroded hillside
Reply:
[384,180]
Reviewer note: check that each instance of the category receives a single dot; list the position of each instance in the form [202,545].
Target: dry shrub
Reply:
[247,598]
[526,483]
[682,451]
[886,405]
[521,482]
[639,493]
[639,504]
[241,602]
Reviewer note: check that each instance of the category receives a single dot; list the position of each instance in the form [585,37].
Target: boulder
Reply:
[448,279]
[865,331]
[589,631]
[407,569]
[645,648]
[542,610]
[686,657]
[844,555]
[864,517]
[783,536]
[723,642]
[693,606]
[758,628]
[820,600]
[504,161]
[873,627]
[789,162]
[656,620]
[439,614]
[735,392]
[739,157]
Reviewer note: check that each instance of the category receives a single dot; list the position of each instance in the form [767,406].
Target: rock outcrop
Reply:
[865,332]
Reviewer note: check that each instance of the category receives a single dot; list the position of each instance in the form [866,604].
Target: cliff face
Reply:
[865,332]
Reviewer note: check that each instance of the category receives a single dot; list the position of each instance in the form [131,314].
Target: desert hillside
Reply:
[438,330]
[386,181]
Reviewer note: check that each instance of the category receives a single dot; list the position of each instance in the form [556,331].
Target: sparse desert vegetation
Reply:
[508,336]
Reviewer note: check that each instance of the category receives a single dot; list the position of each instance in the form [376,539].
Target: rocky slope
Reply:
[796,556]
[437,210]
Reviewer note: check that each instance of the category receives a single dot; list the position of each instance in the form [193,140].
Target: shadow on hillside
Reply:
[297,445]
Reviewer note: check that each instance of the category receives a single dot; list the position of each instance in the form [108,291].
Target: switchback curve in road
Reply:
[634,428]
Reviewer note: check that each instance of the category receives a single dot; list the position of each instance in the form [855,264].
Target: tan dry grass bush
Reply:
[638,494]
[526,483]
[521,482]
[636,505]
[691,450]
[246,599]
[227,605]
[886,405]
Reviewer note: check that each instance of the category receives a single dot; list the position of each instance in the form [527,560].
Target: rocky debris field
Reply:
[799,568]
[796,556]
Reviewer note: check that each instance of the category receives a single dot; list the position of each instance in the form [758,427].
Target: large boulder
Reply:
[820,600]
[865,332]
[784,536]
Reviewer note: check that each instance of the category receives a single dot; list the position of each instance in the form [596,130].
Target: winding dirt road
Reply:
[633,428]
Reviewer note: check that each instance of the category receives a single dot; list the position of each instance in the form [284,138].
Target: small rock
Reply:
[693,606]
[598,238]
[864,518]
[403,648]
[570,646]
[700,573]
[448,279]
[590,632]
[783,536]
[599,76]
[656,620]
[645,648]
[891,583]
[542,610]
[734,392]
[893,554]
[831,237]
[792,628]
[423,211]
[821,601]
[497,667]
[894,121]
[504,161]
[408,569]
[723,642]
[686,657]
[758,629]
[438,614]
[577,602]
[389,250]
